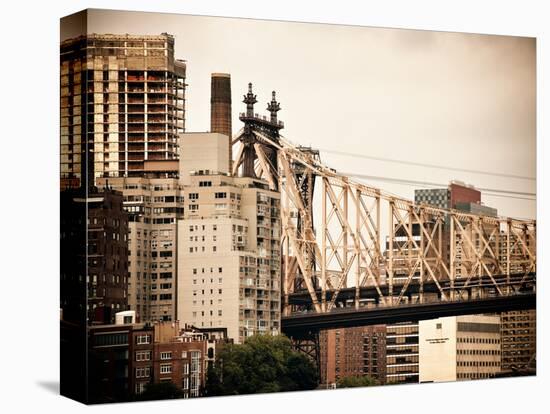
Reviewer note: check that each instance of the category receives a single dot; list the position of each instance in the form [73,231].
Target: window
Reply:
[184,354]
[165,368]
[220,195]
[186,368]
[140,387]
[185,383]
[143,372]
[166,355]
[143,339]
[143,355]
[193,196]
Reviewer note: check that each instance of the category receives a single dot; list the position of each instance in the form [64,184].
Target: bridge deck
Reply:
[302,324]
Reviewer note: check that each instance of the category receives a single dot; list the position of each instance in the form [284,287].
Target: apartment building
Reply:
[459,348]
[352,352]
[153,206]
[229,256]
[122,103]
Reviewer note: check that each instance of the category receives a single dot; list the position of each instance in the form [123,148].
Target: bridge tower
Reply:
[259,156]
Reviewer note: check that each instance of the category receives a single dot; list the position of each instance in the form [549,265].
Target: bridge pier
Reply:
[308,343]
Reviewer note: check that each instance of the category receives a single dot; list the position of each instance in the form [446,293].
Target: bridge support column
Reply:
[309,345]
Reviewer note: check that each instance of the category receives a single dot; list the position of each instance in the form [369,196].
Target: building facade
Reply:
[518,333]
[179,357]
[126,358]
[122,103]
[402,353]
[352,352]
[117,360]
[94,228]
[153,205]
[459,348]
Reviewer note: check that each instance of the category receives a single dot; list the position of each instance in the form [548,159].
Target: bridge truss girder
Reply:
[454,250]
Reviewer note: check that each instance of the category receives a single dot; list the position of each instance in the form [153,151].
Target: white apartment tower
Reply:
[228,244]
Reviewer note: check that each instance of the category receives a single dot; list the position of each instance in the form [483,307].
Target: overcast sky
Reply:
[451,99]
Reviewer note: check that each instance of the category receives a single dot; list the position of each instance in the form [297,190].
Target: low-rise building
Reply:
[125,358]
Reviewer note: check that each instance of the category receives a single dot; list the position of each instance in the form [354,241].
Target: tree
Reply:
[262,364]
[357,381]
[213,385]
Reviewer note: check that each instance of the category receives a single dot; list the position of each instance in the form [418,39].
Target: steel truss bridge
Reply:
[352,249]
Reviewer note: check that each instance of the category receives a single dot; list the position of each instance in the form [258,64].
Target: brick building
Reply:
[125,358]
[352,352]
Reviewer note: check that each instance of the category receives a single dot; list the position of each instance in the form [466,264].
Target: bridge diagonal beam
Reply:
[397,215]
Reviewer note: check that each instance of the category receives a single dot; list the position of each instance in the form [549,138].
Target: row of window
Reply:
[195,270]
[478,352]
[211,302]
[196,249]
[474,375]
[196,238]
[162,296]
[478,363]
[478,340]
[211,313]
[220,280]
[146,355]
[202,292]
[196,227]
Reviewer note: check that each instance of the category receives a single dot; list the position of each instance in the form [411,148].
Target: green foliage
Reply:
[358,381]
[262,364]
[160,391]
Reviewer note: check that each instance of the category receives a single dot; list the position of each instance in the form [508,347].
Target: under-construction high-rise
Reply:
[220,108]
[123,96]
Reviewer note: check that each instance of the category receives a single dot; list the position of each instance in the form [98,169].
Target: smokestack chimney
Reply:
[220,108]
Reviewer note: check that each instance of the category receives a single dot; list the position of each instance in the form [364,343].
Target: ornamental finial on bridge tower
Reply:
[250,100]
[273,107]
